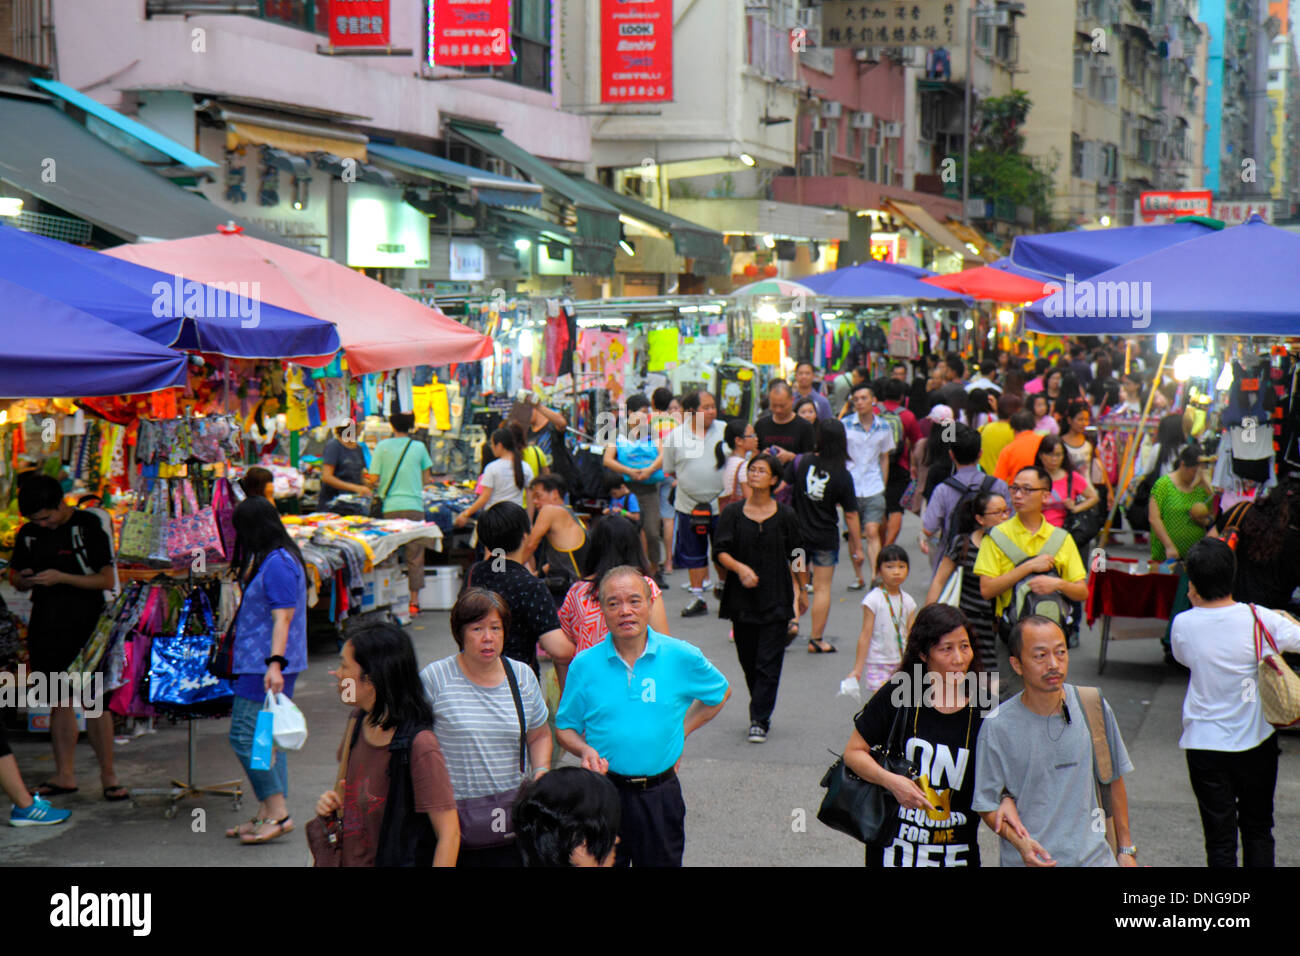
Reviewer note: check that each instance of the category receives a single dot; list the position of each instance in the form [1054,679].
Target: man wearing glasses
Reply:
[1029,532]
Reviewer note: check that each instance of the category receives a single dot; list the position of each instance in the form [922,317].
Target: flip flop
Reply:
[815,648]
[248,826]
[124,795]
[48,789]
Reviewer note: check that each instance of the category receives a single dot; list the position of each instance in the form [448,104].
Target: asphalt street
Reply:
[747,804]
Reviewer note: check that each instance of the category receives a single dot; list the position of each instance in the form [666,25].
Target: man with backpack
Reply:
[870,441]
[907,432]
[939,522]
[1028,566]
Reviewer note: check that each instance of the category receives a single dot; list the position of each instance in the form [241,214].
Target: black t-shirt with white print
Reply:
[816,491]
[942,747]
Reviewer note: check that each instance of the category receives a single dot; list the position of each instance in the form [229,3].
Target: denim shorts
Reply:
[690,548]
[665,489]
[824,559]
[871,510]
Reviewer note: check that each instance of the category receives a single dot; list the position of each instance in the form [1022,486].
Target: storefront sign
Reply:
[470,33]
[467,261]
[358,22]
[1161,205]
[1233,213]
[384,231]
[926,23]
[636,51]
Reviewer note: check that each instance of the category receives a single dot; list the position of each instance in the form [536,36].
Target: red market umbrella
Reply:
[379,327]
[986,282]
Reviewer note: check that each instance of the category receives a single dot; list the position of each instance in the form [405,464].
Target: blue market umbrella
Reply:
[1085,252]
[53,350]
[876,280]
[1240,281]
[166,309]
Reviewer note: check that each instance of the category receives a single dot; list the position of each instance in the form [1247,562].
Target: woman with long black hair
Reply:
[821,482]
[936,720]
[504,479]
[1264,534]
[270,652]
[397,810]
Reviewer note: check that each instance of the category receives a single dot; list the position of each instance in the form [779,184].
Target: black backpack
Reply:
[966,493]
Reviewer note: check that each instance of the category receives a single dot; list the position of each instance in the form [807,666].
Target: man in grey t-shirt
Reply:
[1036,750]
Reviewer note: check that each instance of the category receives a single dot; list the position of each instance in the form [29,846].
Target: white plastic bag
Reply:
[290,726]
[849,687]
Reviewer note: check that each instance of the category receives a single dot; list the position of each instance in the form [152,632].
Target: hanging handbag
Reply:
[223,507]
[221,656]
[197,528]
[1279,687]
[178,673]
[487,821]
[138,531]
[860,809]
[161,524]
[377,501]
[951,593]
[325,834]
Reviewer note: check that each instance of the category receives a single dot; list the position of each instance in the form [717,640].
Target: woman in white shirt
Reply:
[504,478]
[1231,749]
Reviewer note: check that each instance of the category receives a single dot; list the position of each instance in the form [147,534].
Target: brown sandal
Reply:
[248,826]
[281,828]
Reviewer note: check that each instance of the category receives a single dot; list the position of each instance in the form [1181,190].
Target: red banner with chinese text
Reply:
[636,51]
[358,23]
[470,33]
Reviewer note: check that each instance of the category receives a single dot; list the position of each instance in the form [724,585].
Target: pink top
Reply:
[581,617]
[1054,511]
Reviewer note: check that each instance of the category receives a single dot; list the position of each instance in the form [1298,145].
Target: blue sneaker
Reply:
[40,814]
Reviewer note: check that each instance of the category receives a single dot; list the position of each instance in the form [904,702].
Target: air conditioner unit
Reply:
[869,54]
[832,110]
[809,164]
[891,130]
[863,120]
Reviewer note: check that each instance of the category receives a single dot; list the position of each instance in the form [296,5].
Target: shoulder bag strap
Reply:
[1055,541]
[1262,636]
[1095,717]
[389,487]
[349,735]
[1007,546]
[519,709]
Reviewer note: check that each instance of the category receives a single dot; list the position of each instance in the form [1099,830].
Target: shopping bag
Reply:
[263,741]
[178,668]
[198,528]
[290,726]
[158,528]
[138,532]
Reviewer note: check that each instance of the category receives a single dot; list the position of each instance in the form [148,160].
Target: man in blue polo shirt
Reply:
[629,704]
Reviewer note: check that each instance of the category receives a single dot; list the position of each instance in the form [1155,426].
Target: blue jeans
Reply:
[243,720]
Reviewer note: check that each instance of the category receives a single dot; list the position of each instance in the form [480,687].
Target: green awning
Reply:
[597,218]
[534,226]
[707,247]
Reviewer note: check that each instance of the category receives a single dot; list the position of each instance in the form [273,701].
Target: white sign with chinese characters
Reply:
[1233,212]
[467,261]
[859,23]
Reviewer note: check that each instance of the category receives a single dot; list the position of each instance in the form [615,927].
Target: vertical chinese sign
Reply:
[636,51]
[470,33]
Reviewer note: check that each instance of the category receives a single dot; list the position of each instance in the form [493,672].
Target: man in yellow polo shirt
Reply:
[996,435]
[1029,532]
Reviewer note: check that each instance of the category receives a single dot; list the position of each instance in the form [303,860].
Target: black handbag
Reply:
[488,821]
[865,811]
[377,501]
[1136,512]
[1083,526]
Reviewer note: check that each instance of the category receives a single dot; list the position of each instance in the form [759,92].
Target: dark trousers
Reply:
[1234,791]
[761,650]
[493,857]
[653,829]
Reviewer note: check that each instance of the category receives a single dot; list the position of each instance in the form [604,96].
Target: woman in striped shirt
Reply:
[476,718]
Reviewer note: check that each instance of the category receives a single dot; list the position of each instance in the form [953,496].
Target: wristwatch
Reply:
[1127,851]
[276,659]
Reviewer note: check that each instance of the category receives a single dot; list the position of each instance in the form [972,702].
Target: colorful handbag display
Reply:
[178,667]
[193,530]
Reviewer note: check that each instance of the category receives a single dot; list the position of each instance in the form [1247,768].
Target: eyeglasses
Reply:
[1024,489]
[998,512]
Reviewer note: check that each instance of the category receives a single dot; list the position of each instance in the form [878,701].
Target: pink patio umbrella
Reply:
[379,327]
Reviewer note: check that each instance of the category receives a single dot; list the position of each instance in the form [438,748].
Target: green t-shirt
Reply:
[1174,506]
[404,495]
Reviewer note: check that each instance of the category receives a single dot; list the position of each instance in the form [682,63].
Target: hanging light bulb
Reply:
[1162,342]
[526,343]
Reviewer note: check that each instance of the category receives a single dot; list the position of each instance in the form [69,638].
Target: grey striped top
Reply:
[478,728]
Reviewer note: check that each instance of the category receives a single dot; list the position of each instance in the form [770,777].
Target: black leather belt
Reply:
[640,783]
